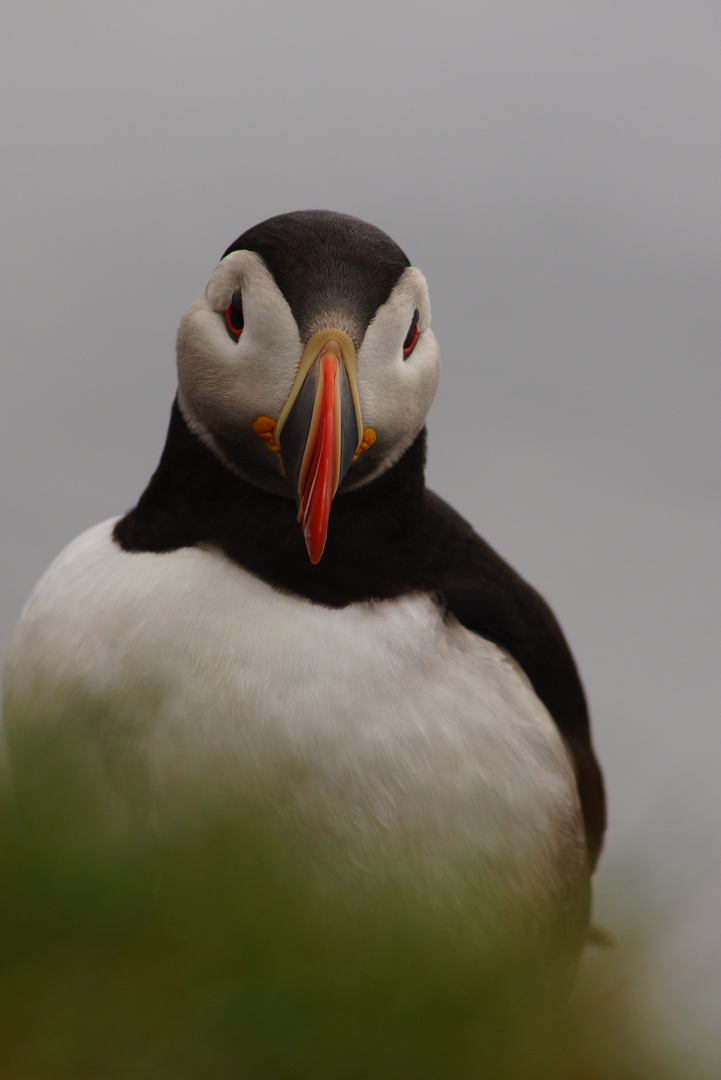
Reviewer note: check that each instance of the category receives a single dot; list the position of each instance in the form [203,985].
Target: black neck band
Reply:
[372,551]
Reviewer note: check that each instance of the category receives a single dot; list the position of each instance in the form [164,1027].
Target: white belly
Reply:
[382,722]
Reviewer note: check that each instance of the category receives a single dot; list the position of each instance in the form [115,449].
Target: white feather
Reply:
[404,731]
[224,386]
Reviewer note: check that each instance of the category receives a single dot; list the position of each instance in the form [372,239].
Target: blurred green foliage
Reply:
[214,951]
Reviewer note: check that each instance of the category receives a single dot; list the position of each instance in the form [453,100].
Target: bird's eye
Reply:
[411,337]
[234,315]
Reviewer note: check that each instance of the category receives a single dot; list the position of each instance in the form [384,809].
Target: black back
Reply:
[386,539]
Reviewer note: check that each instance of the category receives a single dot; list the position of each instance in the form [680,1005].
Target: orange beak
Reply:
[319,431]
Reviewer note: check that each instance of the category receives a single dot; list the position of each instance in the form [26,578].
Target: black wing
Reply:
[492,600]
[389,538]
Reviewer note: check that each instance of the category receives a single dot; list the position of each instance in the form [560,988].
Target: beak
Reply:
[319,430]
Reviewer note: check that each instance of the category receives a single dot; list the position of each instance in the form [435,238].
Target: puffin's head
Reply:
[308,364]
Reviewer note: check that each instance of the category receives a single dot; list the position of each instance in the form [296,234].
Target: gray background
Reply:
[554,170]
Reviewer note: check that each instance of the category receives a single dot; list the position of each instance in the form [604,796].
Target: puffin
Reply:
[289,613]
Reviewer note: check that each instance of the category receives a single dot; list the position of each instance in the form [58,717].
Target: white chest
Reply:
[387,721]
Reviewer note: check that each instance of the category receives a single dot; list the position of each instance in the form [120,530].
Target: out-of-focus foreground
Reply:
[215,951]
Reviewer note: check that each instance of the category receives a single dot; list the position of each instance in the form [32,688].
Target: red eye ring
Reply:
[408,349]
[231,329]
[411,337]
[234,315]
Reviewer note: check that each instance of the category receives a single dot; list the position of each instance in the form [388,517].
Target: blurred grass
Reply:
[215,952]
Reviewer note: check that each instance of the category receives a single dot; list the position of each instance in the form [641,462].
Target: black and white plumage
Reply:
[424,691]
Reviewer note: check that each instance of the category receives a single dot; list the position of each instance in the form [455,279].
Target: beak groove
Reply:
[320,467]
[319,431]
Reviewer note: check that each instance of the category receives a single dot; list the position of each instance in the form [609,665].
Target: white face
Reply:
[225,385]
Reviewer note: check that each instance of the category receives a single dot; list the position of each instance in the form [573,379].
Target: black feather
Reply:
[386,539]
